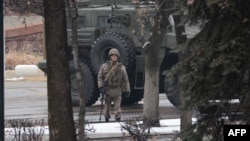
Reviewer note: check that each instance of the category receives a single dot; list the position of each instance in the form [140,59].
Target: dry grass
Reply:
[17,58]
[36,78]
[13,59]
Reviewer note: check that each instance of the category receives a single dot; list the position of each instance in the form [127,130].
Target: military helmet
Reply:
[114,51]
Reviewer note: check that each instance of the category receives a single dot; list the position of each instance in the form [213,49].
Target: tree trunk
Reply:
[73,14]
[152,65]
[186,113]
[151,87]
[60,117]
[2,82]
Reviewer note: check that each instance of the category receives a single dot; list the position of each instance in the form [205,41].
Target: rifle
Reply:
[101,106]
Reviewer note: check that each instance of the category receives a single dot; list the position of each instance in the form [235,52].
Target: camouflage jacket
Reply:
[116,82]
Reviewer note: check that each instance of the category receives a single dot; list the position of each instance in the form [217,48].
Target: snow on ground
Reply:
[168,126]
[113,129]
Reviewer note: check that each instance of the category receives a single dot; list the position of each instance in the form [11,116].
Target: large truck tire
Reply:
[87,85]
[96,92]
[126,48]
[173,95]
[102,45]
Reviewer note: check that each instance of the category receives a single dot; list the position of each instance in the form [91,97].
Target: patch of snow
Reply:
[113,129]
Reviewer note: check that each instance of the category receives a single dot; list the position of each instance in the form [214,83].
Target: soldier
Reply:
[113,81]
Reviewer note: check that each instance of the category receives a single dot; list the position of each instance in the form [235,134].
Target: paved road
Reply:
[28,100]
[24,100]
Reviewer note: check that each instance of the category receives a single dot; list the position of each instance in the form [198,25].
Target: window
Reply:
[81,22]
[102,21]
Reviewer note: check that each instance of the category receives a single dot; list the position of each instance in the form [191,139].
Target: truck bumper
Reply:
[42,66]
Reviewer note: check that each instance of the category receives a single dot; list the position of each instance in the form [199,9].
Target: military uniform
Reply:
[113,77]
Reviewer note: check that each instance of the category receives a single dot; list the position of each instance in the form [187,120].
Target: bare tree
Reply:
[61,123]
[60,117]
[152,64]
[23,7]
[73,15]
[2,84]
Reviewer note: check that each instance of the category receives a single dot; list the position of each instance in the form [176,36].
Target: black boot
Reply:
[107,119]
[118,119]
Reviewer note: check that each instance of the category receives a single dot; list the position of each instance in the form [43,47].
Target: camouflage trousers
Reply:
[117,106]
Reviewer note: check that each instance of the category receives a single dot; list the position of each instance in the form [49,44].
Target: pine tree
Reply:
[218,67]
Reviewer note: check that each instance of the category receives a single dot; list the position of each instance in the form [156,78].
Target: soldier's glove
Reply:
[102,90]
[126,94]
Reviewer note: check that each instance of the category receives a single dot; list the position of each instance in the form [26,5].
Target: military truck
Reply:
[106,24]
